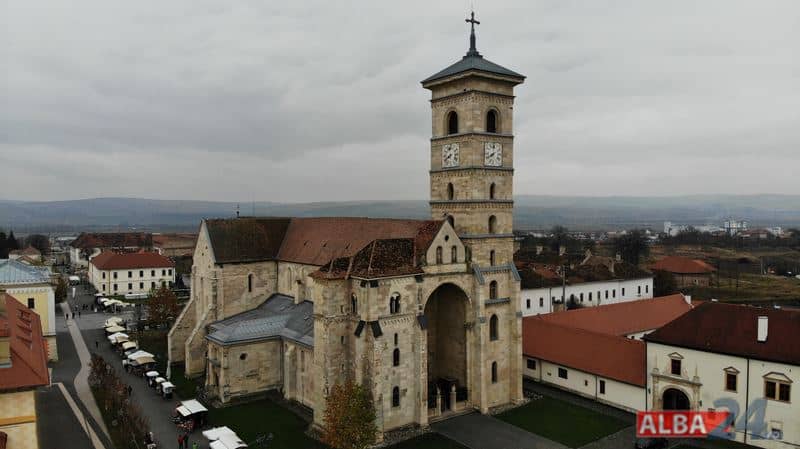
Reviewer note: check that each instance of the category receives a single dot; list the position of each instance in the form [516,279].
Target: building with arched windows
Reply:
[425,313]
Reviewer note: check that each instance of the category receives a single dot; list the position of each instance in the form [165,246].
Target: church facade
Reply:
[424,313]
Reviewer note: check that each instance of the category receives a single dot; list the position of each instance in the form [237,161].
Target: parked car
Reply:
[651,443]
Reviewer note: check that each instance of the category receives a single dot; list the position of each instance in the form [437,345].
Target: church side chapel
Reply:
[424,313]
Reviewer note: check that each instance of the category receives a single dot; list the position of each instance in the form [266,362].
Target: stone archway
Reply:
[674,399]
[446,315]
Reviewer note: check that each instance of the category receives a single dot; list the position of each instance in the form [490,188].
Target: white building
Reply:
[742,359]
[90,244]
[595,281]
[733,227]
[597,352]
[130,273]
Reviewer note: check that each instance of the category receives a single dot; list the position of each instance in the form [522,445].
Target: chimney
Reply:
[5,338]
[688,299]
[539,249]
[763,324]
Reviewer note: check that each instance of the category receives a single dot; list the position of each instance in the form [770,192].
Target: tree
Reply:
[560,237]
[11,242]
[632,246]
[349,417]
[61,289]
[40,242]
[162,306]
[3,246]
[664,283]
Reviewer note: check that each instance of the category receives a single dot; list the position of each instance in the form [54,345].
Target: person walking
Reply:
[180,441]
[79,313]
[96,344]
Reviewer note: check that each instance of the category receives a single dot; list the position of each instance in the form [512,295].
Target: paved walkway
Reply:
[58,425]
[81,381]
[478,431]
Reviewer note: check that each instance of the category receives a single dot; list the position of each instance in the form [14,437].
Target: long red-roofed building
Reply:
[114,273]
[687,272]
[597,352]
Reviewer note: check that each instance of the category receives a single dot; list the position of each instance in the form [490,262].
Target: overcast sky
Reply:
[320,100]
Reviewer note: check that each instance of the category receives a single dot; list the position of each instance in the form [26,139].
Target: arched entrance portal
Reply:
[674,399]
[446,314]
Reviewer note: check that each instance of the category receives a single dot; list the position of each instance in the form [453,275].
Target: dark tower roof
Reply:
[473,61]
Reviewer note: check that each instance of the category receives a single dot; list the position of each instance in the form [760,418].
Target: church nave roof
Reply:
[277,317]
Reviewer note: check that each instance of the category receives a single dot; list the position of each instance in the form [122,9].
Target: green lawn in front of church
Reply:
[263,417]
[560,421]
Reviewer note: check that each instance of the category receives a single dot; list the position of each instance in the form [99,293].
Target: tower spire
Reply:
[473,51]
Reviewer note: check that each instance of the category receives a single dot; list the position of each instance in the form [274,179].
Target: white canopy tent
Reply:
[216,432]
[139,354]
[129,345]
[228,442]
[115,329]
[113,321]
[118,337]
[190,407]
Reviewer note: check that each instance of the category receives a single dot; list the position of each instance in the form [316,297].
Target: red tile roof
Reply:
[29,251]
[246,239]
[682,265]
[110,260]
[28,354]
[315,241]
[732,329]
[623,318]
[610,356]
[88,240]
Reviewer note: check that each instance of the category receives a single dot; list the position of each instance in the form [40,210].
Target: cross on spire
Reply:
[473,51]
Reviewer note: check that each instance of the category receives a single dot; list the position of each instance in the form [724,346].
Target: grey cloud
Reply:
[254,97]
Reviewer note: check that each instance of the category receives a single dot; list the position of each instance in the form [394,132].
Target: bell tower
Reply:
[472,153]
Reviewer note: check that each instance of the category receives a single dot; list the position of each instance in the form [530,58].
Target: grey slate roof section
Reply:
[278,317]
[473,62]
[15,272]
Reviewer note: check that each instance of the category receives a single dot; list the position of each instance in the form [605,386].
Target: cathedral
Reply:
[424,313]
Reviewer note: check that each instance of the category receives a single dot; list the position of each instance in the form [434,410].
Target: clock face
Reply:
[450,155]
[493,154]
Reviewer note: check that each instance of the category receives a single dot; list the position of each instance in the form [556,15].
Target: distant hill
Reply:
[531,211]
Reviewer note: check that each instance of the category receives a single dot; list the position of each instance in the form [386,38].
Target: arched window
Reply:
[491,191]
[353,304]
[491,257]
[493,290]
[250,283]
[452,123]
[452,221]
[394,303]
[491,121]
[396,357]
[396,397]
[439,255]
[494,372]
[493,328]
[454,254]
[450,192]
[492,224]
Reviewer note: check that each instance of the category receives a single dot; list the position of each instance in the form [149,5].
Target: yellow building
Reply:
[23,367]
[31,285]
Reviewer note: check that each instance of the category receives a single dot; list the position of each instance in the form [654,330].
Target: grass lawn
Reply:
[184,388]
[256,418]
[569,424]
[428,441]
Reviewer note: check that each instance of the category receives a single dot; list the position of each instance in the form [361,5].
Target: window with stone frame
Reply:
[492,260]
[493,325]
[531,364]
[675,367]
[396,357]
[454,254]
[452,123]
[353,304]
[492,225]
[394,303]
[494,372]
[250,283]
[562,373]
[778,389]
[396,397]
[439,260]
[491,121]
[493,290]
